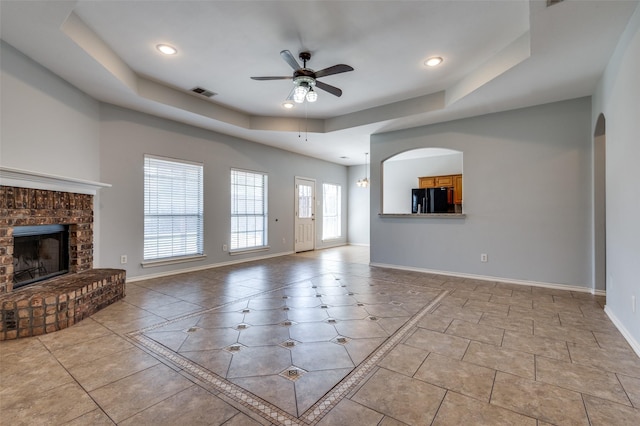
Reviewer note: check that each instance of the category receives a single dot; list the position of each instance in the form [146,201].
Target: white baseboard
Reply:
[359,244]
[204,267]
[331,244]
[500,279]
[635,345]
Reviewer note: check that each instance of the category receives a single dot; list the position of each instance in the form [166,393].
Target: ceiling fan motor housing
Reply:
[304,77]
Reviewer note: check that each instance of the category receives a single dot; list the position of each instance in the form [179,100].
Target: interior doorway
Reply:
[305,202]
[599,204]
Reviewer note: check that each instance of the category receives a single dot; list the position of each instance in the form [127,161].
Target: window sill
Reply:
[423,215]
[172,261]
[248,250]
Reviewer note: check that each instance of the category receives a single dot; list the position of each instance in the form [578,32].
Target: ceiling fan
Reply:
[305,79]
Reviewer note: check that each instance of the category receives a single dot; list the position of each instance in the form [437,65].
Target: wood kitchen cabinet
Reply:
[449,181]
[444,181]
[457,189]
[427,182]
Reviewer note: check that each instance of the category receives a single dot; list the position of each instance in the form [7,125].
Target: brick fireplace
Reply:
[59,302]
[26,206]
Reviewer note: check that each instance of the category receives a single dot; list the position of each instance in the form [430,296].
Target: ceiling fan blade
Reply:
[329,88]
[271,78]
[290,59]
[336,69]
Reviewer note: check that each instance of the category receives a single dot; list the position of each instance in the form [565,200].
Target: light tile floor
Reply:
[367,346]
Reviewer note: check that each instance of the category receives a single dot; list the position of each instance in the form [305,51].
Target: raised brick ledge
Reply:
[59,302]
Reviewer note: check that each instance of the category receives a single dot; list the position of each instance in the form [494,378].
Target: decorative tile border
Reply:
[342,389]
[263,408]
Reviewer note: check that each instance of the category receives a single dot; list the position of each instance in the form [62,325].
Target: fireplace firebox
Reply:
[39,253]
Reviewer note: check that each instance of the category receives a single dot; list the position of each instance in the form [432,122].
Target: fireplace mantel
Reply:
[27,179]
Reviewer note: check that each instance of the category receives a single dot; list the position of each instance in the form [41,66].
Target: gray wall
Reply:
[618,98]
[48,126]
[527,197]
[359,202]
[127,135]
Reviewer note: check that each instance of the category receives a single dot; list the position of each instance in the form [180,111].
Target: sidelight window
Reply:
[331,207]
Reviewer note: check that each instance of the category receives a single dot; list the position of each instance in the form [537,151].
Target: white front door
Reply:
[305,214]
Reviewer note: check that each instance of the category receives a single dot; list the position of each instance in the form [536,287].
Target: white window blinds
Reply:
[248,210]
[331,207]
[173,212]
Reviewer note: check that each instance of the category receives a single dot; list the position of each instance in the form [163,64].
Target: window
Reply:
[305,201]
[331,201]
[248,210]
[173,212]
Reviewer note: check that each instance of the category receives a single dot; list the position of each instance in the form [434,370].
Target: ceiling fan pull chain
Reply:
[306,122]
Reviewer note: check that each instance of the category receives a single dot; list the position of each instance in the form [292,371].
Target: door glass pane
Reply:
[305,202]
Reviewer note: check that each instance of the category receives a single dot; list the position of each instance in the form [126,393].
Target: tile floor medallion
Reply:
[292,354]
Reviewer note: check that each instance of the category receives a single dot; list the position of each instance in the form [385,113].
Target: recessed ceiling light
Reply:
[433,61]
[166,49]
[288,105]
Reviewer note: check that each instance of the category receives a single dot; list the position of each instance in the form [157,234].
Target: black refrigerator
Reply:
[431,200]
[419,200]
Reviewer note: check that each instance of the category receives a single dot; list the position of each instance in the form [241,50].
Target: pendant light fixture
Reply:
[364,183]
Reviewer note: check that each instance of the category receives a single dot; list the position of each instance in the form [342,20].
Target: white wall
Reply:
[618,98]
[127,135]
[402,175]
[359,202]
[48,126]
[527,195]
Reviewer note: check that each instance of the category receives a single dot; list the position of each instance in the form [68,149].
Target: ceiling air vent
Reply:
[552,2]
[203,92]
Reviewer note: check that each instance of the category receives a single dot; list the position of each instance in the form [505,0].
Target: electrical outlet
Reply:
[284,240]
[633,303]
[224,247]
[123,259]
[484,257]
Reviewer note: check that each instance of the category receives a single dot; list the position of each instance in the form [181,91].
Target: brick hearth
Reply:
[62,301]
[59,302]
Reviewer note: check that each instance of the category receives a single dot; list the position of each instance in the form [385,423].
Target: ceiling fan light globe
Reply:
[299,93]
[312,95]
